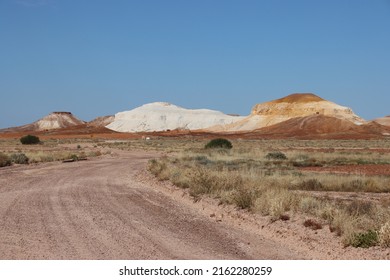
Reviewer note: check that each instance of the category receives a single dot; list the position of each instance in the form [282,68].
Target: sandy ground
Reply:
[111,208]
[290,235]
[100,209]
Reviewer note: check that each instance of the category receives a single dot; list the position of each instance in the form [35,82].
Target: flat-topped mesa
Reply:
[61,113]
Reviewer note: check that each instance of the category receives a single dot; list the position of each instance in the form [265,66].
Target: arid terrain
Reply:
[299,178]
[99,209]
[111,207]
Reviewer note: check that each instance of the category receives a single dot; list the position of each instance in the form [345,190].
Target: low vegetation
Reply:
[5,160]
[276,156]
[19,158]
[29,140]
[219,143]
[270,183]
[13,152]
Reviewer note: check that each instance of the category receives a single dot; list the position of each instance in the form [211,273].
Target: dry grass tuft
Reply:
[243,176]
[384,235]
[313,224]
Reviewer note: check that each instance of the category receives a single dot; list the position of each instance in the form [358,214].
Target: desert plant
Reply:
[276,156]
[309,185]
[365,239]
[384,235]
[219,143]
[244,198]
[29,140]
[4,160]
[314,225]
[19,158]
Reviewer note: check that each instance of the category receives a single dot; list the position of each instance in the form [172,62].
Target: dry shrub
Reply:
[19,158]
[344,225]
[180,178]
[275,202]
[202,182]
[359,207]
[244,197]
[284,217]
[4,160]
[159,168]
[314,225]
[365,239]
[309,205]
[310,185]
[384,235]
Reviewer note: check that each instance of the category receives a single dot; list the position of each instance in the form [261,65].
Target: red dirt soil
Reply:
[310,127]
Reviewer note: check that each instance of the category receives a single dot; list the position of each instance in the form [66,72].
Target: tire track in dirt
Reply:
[97,210]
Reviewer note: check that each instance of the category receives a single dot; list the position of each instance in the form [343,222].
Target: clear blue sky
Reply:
[99,57]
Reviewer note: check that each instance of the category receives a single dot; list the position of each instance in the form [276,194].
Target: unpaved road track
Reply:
[96,209]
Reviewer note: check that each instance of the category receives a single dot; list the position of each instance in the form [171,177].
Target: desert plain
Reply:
[304,184]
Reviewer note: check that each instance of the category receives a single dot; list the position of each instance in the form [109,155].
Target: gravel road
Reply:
[96,209]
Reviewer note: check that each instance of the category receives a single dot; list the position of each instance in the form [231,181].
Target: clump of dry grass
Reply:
[275,202]
[313,224]
[384,235]
[244,177]
[5,160]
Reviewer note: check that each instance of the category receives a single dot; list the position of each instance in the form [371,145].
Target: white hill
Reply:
[162,116]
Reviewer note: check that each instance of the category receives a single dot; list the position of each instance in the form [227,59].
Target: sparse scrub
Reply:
[29,140]
[4,160]
[276,156]
[313,224]
[243,197]
[248,179]
[19,158]
[275,202]
[359,207]
[307,162]
[220,143]
[365,239]
[384,235]
[310,185]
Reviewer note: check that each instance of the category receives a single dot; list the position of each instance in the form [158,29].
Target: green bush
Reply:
[29,140]
[19,158]
[276,156]
[4,160]
[365,240]
[219,143]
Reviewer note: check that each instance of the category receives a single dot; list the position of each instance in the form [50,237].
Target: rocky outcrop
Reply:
[52,121]
[101,121]
[383,121]
[292,106]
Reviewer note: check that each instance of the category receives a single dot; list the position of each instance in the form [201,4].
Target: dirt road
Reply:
[96,209]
